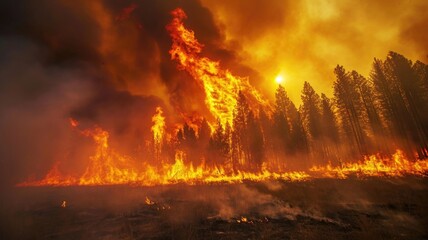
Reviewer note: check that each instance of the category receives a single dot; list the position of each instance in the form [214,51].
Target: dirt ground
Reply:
[375,208]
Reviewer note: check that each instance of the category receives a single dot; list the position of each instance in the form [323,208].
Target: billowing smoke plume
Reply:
[103,63]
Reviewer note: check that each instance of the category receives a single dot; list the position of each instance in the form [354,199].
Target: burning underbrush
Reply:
[108,167]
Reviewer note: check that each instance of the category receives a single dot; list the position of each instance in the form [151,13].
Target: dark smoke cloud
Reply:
[104,63]
[131,52]
[35,105]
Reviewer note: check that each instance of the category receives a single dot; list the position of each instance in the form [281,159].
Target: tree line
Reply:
[378,114]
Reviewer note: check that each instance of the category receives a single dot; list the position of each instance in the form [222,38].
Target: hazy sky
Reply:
[305,40]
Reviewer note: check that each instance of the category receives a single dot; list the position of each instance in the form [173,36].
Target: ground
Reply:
[374,208]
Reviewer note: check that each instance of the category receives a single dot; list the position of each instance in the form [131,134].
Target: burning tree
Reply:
[250,140]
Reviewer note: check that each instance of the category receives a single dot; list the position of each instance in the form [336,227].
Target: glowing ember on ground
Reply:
[148,201]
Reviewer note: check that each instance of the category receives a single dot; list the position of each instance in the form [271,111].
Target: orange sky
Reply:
[305,40]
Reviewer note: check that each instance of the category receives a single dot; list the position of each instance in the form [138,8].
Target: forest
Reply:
[370,115]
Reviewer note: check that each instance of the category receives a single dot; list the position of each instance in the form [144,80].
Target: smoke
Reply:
[35,106]
[96,62]
[102,63]
[130,50]
[106,62]
[305,40]
[354,207]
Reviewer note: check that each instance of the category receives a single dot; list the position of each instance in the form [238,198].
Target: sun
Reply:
[279,79]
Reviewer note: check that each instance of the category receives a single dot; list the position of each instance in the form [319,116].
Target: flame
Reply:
[148,201]
[221,87]
[375,165]
[64,204]
[158,130]
[107,166]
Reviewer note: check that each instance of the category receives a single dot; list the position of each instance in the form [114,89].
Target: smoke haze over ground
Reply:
[320,209]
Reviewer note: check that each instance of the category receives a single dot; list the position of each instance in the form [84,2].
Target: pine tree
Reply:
[256,146]
[281,123]
[329,122]
[351,110]
[240,140]
[411,99]
[311,116]
[204,134]
[218,146]
[298,141]
[330,129]
[371,113]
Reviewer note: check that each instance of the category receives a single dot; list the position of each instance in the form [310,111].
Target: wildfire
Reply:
[158,129]
[107,166]
[374,165]
[221,87]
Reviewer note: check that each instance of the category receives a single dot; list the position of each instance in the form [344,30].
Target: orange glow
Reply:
[148,201]
[304,36]
[221,87]
[73,122]
[158,130]
[107,167]
[375,165]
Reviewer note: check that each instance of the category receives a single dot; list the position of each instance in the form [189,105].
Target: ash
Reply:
[375,208]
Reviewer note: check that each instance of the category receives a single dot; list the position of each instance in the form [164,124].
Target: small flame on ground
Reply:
[375,165]
[148,201]
[64,204]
